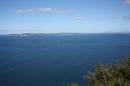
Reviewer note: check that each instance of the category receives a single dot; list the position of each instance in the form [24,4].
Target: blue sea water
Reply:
[53,60]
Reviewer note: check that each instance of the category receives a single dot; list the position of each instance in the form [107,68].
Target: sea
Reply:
[57,59]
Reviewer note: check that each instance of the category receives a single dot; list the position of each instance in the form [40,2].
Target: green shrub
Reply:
[106,75]
[109,75]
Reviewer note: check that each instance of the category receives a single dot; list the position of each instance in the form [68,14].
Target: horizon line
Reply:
[65,33]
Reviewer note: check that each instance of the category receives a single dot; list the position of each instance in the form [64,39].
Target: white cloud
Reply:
[43,10]
[127,1]
[80,18]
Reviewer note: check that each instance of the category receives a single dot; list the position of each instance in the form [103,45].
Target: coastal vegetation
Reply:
[108,75]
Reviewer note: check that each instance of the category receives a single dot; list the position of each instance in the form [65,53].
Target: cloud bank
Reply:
[80,18]
[43,10]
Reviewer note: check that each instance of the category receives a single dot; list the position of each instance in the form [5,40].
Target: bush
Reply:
[109,75]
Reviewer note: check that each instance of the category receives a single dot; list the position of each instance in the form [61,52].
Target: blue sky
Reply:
[57,16]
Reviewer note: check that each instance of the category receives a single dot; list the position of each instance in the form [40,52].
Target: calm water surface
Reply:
[52,60]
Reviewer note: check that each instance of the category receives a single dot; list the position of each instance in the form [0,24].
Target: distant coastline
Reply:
[38,34]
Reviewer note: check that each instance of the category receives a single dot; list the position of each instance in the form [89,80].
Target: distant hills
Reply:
[41,34]
[38,34]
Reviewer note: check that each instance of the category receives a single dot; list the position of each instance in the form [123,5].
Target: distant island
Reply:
[40,34]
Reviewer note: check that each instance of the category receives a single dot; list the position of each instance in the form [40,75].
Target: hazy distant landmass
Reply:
[38,34]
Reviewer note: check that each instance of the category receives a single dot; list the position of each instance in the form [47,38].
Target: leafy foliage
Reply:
[109,75]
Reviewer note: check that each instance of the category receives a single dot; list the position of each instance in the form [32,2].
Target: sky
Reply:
[64,16]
